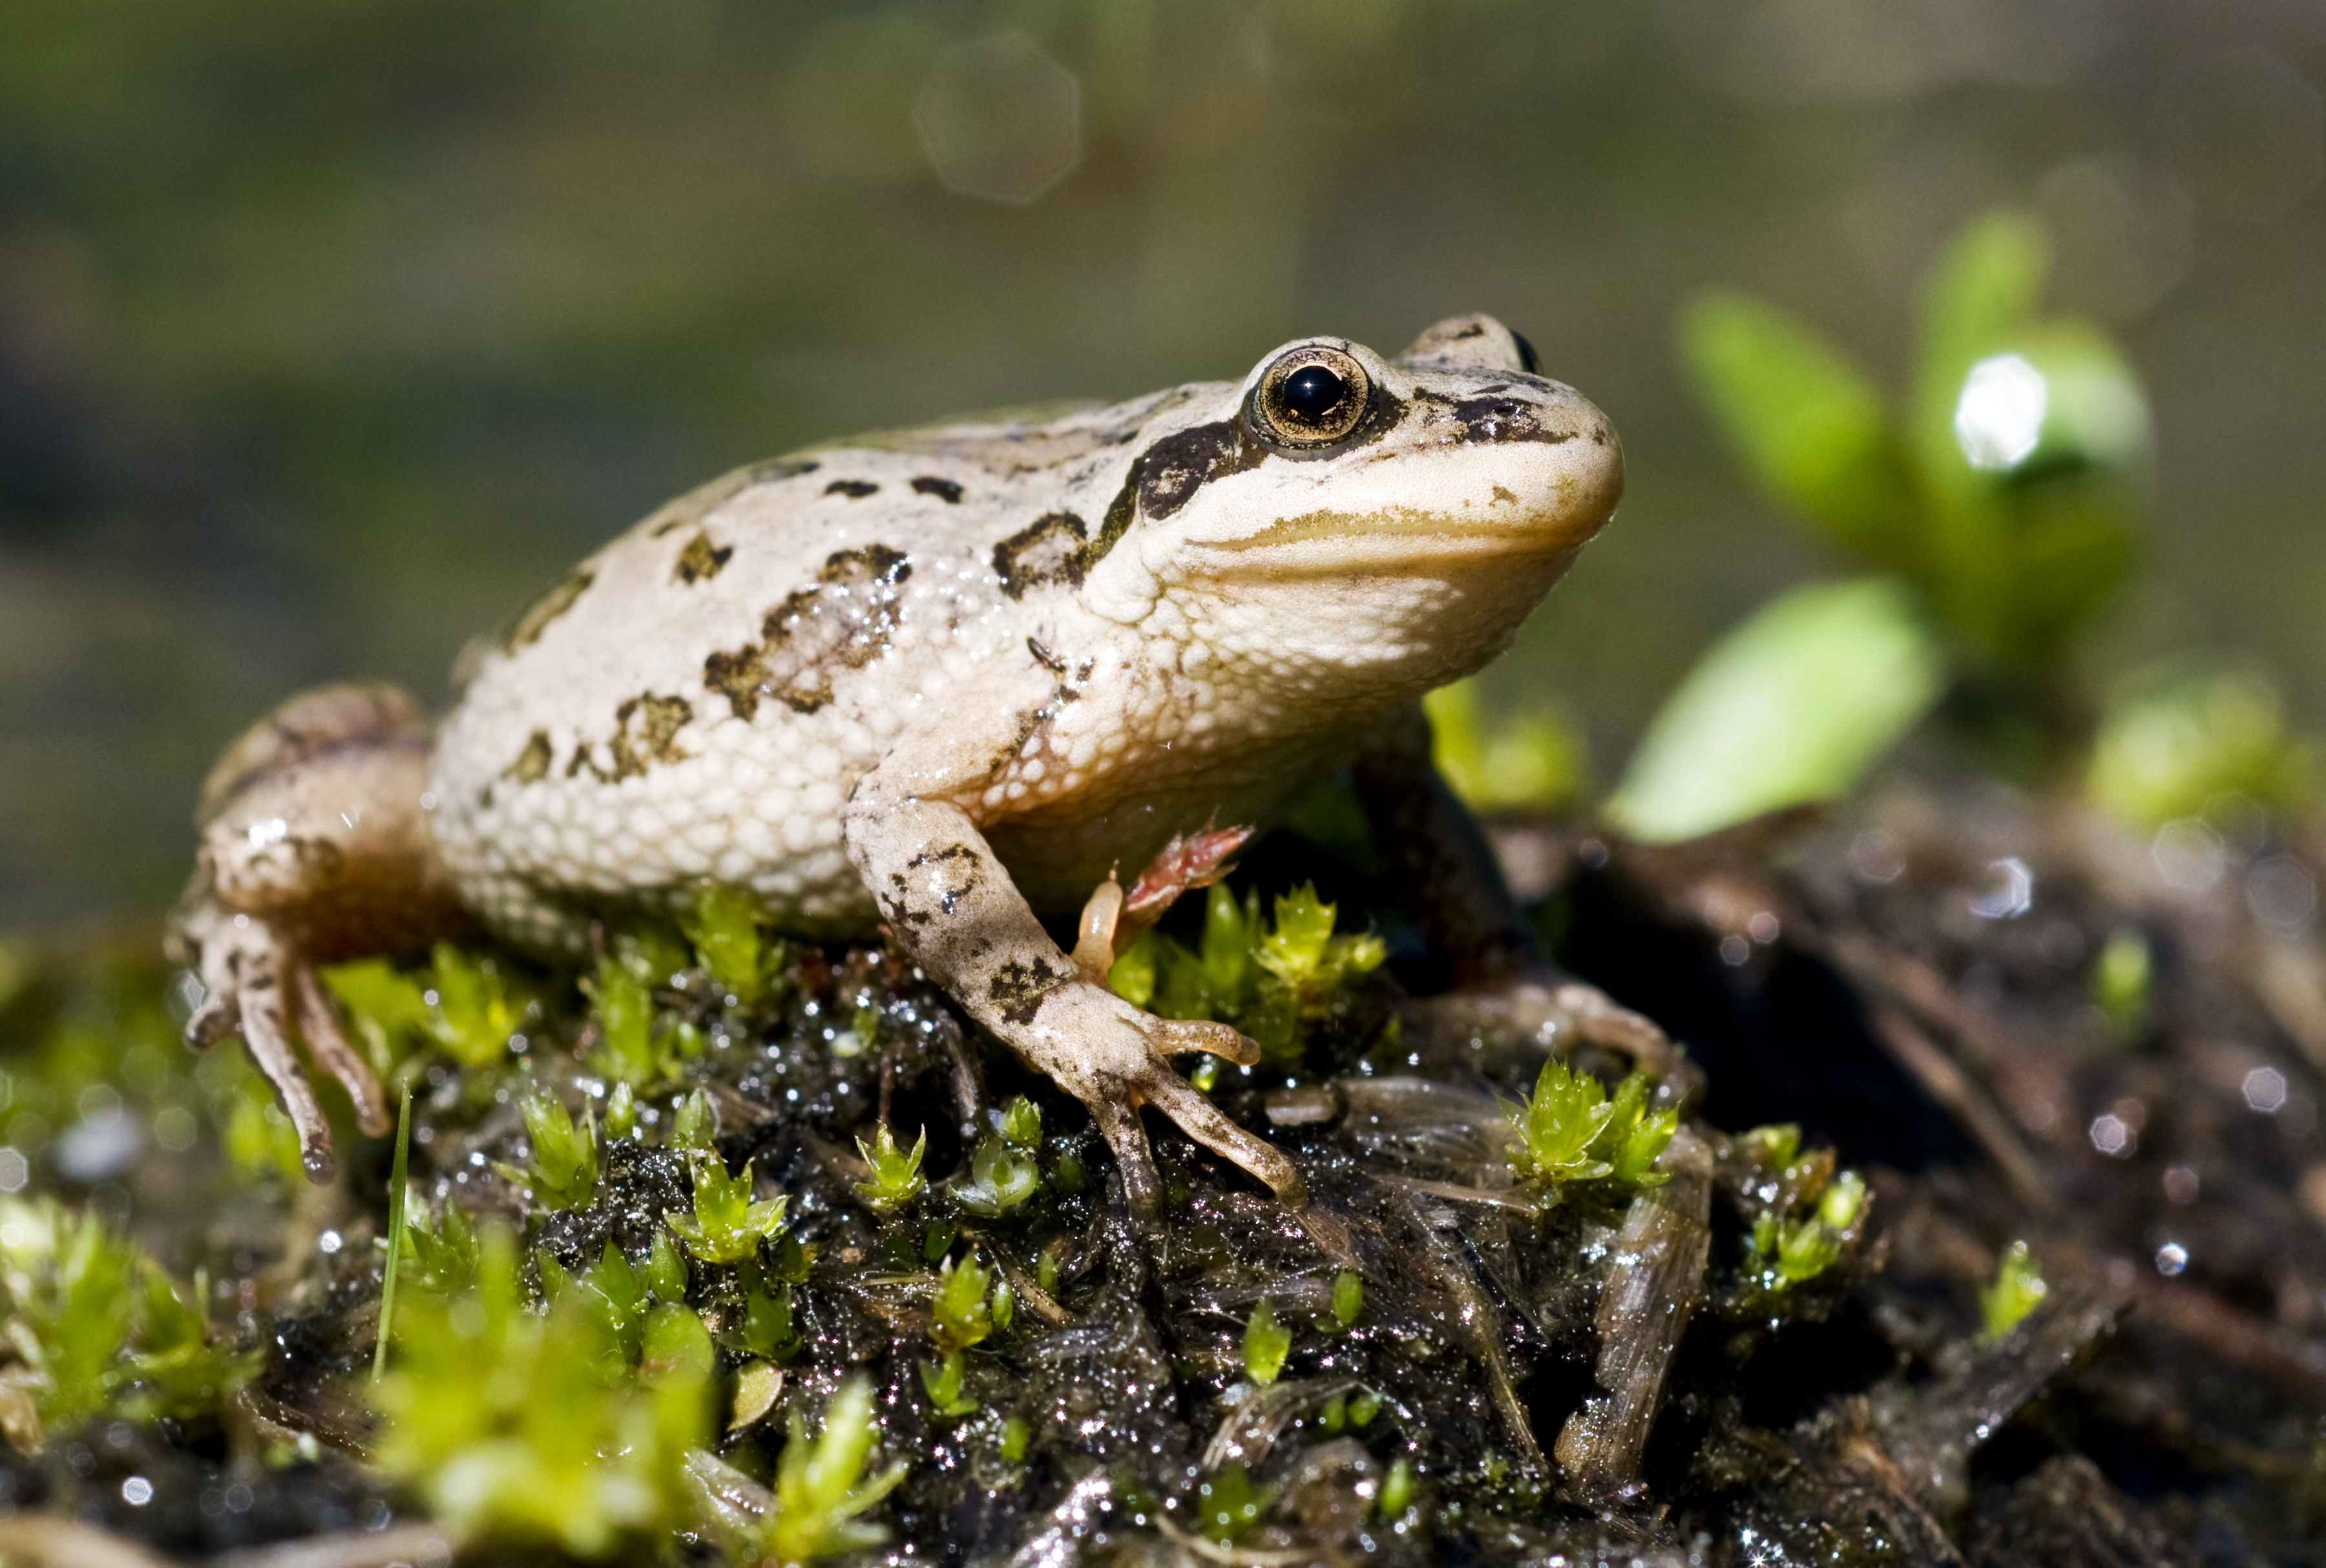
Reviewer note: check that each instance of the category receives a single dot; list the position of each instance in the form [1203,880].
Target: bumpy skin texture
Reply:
[939,680]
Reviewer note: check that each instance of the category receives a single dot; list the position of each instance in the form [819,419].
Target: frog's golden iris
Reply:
[1311,397]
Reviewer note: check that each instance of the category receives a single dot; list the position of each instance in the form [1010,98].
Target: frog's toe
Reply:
[1177,1036]
[246,970]
[1118,1123]
[320,1028]
[1205,1123]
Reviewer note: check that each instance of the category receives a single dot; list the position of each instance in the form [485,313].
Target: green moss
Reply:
[1228,1505]
[1266,1343]
[538,1425]
[821,1490]
[1348,1298]
[724,926]
[99,1328]
[1000,1177]
[727,1225]
[1275,982]
[897,1180]
[564,1171]
[1570,1130]
[2017,1288]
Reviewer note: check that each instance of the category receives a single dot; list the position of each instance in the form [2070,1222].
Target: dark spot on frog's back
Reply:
[843,622]
[854,489]
[1018,987]
[944,490]
[701,560]
[527,627]
[1174,468]
[1049,548]
[531,764]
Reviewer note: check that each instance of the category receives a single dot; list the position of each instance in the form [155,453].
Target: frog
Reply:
[937,685]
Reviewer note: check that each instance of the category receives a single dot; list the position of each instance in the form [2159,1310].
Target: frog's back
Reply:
[696,700]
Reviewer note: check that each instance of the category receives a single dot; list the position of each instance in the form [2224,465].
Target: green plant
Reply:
[2178,736]
[723,925]
[1348,1298]
[1266,1343]
[2121,980]
[821,1493]
[960,1316]
[897,1180]
[635,1043]
[461,1005]
[1228,1505]
[1790,1249]
[564,1173]
[98,1327]
[2017,1288]
[1000,1177]
[533,1426]
[727,1225]
[1274,982]
[1570,1130]
[1532,762]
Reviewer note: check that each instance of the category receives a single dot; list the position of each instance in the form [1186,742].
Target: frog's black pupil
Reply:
[1312,392]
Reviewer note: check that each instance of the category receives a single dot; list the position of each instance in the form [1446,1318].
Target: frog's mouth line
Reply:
[1448,535]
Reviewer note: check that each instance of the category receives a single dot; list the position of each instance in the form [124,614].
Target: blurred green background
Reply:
[331,331]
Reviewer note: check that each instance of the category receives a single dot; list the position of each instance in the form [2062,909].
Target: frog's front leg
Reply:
[314,847]
[948,899]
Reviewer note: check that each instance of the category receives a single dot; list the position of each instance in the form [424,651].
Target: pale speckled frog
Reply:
[938,680]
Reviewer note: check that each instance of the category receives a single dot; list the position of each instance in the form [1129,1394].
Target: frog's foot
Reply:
[255,982]
[1560,1013]
[1114,1058]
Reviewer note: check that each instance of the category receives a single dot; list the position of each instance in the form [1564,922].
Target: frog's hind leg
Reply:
[315,846]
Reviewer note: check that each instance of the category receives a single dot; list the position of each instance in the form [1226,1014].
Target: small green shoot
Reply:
[1348,1299]
[1570,1130]
[960,1316]
[1016,1436]
[2017,1288]
[724,927]
[1266,1343]
[564,1173]
[1792,1248]
[526,1426]
[1274,982]
[442,1257]
[2182,735]
[1399,1489]
[693,1125]
[1227,1505]
[630,1048]
[1021,1123]
[727,1225]
[461,1006]
[2121,982]
[622,1113]
[1000,1177]
[942,1380]
[820,1490]
[897,1180]
[399,1197]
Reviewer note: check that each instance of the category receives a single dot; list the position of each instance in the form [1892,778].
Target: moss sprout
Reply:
[527,1425]
[821,1492]
[1228,1505]
[1348,1298]
[2121,980]
[897,1180]
[1398,1491]
[1570,1130]
[960,1316]
[1275,982]
[462,1005]
[564,1171]
[97,1327]
[727,1225]
[1266,1343]
[2017,1288]
[1000,1177]
[723,925]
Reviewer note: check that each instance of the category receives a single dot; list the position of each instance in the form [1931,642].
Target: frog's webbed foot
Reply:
[1114,1058]
[256,983]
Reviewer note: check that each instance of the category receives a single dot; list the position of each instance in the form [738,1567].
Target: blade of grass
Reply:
[395,1200]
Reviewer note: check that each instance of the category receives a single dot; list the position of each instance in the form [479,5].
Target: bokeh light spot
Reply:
[1999,417]
[999,120]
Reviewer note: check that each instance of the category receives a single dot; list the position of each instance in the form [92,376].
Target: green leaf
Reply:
[1558,1124]
[1793,706]
[1348,1298]
[999,1179]
[727,1226]
[1266,1343]
[820,1490]
[959,1315]
[1133,978]
[1227,1505]
[897,1180]
[1984,286]
[1804,421]
[565,1172]
[724,928]
[2018,1287]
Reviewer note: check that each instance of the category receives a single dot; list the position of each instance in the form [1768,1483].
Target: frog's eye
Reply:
[1310,396]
